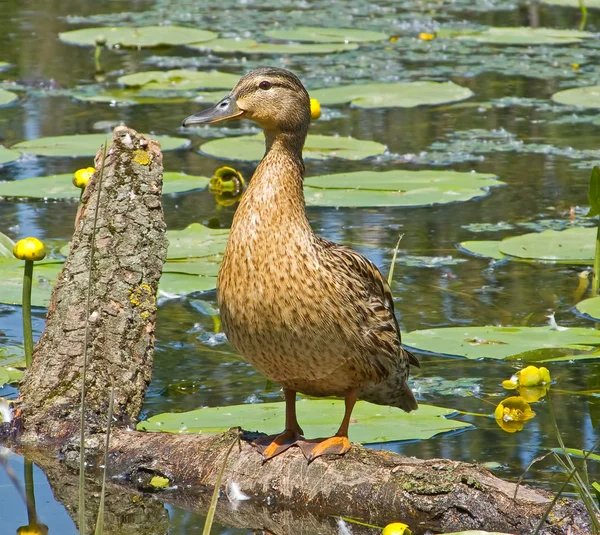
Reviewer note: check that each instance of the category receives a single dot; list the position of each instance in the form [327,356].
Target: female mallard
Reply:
[313,316]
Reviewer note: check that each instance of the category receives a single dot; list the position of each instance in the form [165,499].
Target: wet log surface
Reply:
[287,495]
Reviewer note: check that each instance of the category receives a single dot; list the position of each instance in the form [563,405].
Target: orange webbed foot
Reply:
[336,445]
[273,445]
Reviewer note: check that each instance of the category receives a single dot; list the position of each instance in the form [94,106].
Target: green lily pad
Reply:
[180,80]
[576,245]
[585,97]
[519,343]
[314,34]
[396,188]
[84,145]
[518,36]
[250,46]
[183,284]
[319,418]
[61,186]
[11,282]
[6,246]
[590,307]
[196,241]
[397,95]
[12,356]
[317,147]
[10,375]
[147,36]
[483,248]
[6,97]
[8,155]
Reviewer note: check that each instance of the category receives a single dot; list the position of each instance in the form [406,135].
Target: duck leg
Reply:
[337,444]
[273,445]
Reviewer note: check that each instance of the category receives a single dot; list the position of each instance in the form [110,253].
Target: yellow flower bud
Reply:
[315,108]
[427,36]
[33,529]
[82,177]
[29,249]
[575,66]
[396,528]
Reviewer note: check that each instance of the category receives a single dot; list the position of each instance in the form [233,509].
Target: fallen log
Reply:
[286,494]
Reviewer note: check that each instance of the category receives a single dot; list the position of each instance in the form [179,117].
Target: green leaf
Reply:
[580,454]
[180,80]
[396,188]
[12,356]
[576,245]
[400,95]
[11,282]
[196,240]
[61,186]
[594,193]
[85,145]
[315,34]
[249,46]
[317,147]
[147,36]
[7,97]
[504,342]
[319,418]
[596,487]
[6,246]
[183,284]
[590,307]
[584,97]
[10,375]
[590,4]
[483,248]
[518,36]
[8,155]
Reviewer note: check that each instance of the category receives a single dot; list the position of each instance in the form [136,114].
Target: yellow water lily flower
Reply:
[227,185]
[315,108]
[396,528]
[81,177]
[427,36]
[531,394]
[33,529]
[29,249]
[512,383]
[532,376]
[512,413]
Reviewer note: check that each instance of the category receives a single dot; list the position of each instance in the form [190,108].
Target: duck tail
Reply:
[394,392]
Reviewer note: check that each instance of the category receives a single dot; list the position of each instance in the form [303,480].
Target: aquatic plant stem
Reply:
[210,515]
[26,305]
[81,511]
[100,517]
[596,264]
[393,264]
[29,492]
[584,15]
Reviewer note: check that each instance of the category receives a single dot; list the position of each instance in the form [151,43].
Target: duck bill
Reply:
[225,109]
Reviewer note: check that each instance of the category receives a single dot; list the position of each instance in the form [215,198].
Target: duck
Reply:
[311,315]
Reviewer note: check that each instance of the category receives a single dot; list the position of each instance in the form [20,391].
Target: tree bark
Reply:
[130,248]
[287,495]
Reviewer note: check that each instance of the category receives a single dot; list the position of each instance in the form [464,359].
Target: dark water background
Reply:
[539,187]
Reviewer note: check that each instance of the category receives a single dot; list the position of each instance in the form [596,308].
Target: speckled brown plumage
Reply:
[311,315]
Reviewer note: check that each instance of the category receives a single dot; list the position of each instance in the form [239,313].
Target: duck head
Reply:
[274,98]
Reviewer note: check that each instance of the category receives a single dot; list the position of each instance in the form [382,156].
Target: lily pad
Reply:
[179,80]
[11,282]
[84,145]
[317,147]
[590,307]
[518,36]
[396,188]
[196,241]
[314,34]
[483,248]
[518,343]
[6,97]
[147,36]
[590,4]
[319,418]
[8,155]
[584,97]
[12,356]
[397,95]
[6,246]
[183,284]
[61,186]
[250,46]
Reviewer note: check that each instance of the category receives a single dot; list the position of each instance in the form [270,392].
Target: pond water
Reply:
[509,113]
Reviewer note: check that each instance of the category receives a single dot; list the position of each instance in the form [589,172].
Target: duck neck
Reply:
[275,195]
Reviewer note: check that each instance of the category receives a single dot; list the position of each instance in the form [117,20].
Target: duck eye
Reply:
[265,84]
